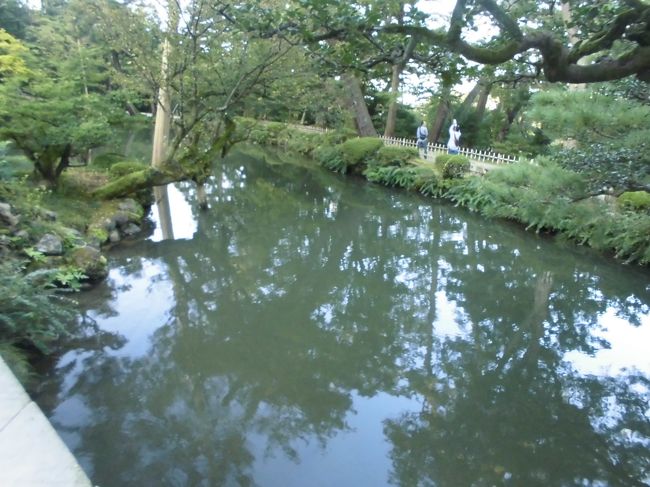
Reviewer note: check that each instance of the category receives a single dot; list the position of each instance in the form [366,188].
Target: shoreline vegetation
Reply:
[540,195]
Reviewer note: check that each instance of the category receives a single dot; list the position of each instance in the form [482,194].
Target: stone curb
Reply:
[31,452]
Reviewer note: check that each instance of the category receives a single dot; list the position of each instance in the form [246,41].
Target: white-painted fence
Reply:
[434,149]
[477,157]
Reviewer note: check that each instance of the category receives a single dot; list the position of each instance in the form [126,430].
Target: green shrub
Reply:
[393,156]
[331,157]
[636,200]
[338,136]
[359,149]
[304,143]
[32,313]
[123,168]
[441,159]
[455,167]
[402,177]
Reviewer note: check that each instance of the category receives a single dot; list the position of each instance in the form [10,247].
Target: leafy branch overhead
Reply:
[597,41]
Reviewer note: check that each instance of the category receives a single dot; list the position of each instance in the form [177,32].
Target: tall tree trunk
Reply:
[396,73]
[357,104]
[469,99]
[511,114]
[163,107]
[441,116]
[482,100]
[161,129]
[391,118]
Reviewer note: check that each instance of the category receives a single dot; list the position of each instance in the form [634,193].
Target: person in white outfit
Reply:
[422,136]
[454,138]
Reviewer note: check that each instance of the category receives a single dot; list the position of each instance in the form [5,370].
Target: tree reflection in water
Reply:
[299,292]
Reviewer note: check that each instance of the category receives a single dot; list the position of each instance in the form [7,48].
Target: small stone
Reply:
[6,215]
[130,205]
[120,219]
[114,236]
[22,234]
[131,230]
[50,244]
[49,215]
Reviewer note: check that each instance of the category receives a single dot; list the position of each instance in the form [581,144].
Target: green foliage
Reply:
[455,166]
[12,52]
[107,159]
[608,166]
[393,156]
[636,200]
[536,196]
[338,136]
[35,255]
[32,312]
[628,235]
[360,149]
[123,168]
[436,187]
[331,157]
[69,277]
[586,116]
[402,177]
[304,143]
[441,159]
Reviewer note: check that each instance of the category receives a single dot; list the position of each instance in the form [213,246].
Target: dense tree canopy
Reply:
[611,38]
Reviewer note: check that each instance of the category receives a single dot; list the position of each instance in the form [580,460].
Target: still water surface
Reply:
[311,330]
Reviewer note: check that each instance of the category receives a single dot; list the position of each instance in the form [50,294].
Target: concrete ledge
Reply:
[31,452]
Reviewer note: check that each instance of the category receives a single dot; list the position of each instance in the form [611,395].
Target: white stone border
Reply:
[31,452]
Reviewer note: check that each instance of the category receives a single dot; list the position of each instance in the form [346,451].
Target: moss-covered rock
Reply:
[636,200]
[90,262]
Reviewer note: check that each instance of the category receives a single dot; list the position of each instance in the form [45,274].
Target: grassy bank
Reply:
[542,196]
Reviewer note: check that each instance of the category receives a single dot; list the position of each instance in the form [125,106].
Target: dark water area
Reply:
[312,330]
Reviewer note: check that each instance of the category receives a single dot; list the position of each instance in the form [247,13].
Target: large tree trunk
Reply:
[482,100]
[439,121]
[163,107]
[357,104]
[511,114]
[469,99]
[163,112]
[396,73]
[391,118]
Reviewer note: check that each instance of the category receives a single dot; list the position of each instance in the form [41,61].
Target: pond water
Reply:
[312,330]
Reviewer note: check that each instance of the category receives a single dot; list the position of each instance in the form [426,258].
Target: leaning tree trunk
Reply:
[482,100]
[469,99]
[357,105]
[391,118]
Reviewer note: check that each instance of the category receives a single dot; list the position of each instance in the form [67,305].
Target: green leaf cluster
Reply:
[33,313]
[360,149]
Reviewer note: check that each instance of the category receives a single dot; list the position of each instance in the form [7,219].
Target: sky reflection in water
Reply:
[310,330]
